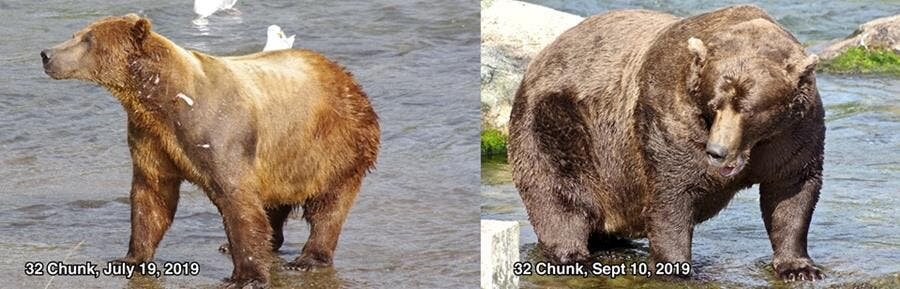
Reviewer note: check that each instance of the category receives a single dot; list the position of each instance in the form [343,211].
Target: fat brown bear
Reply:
[641,124]
[259,133]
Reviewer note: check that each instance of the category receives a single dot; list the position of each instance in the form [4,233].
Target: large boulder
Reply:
[512,32]
[881,33]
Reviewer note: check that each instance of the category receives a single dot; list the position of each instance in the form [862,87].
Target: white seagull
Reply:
[205,8]
[277,40]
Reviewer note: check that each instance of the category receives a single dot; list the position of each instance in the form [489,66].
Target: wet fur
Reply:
[266,132]
[609,127]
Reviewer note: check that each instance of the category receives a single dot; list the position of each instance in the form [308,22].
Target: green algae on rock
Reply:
[861,60]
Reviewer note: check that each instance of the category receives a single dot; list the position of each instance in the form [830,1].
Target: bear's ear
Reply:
[698,59]
[141,30]
[698,49]
[802,73]
[132,16]
[804,69]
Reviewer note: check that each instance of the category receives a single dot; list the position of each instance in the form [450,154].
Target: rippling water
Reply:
[65,169]
[854,234]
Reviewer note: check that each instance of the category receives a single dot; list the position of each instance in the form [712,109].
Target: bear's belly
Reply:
[291,177]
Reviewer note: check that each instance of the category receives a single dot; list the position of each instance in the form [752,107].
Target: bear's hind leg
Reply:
[552,158]
[326,214]
[562,232]
[277,217]
[560,215]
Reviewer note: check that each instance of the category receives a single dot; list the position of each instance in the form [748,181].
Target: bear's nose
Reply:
[716,152]
[45,56]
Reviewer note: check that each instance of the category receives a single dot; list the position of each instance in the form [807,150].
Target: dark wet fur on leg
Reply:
[326,214]
[277,218]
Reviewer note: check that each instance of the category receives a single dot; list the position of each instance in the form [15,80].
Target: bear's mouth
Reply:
[732,168]
[57,74]
[53,73]
[50,73]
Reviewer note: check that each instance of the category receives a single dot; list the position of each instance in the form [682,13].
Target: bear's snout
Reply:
[45,57]
[716,152]
[50,68]
[726,163]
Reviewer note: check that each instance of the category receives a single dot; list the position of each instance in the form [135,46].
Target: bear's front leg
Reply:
[248,234]
[154,196]
[787,211]
[153,205]
[671,229]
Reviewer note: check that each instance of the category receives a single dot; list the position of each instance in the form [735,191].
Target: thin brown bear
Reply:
[259,133]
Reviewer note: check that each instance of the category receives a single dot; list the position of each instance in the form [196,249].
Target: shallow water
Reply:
[65,169]
[854,233]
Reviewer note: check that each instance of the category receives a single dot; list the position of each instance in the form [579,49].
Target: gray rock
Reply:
[879,33]
[512,33]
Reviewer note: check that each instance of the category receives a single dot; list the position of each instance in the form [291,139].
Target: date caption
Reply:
[59,268]
[600,269]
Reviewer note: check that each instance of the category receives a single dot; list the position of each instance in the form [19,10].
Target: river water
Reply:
[854,234]
[65,169]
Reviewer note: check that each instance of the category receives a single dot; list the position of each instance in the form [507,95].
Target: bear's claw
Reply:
[126,260]
[798,270]
[224,249]
[246,284]
[308,264]
[806,274]
[567,255]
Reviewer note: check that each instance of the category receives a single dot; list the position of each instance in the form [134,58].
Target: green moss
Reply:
[493,142]
[861,60]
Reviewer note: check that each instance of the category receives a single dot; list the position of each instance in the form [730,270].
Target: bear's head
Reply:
[751,82]
[99,52]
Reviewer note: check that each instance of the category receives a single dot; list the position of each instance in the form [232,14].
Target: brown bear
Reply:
[259,133]
[640,124]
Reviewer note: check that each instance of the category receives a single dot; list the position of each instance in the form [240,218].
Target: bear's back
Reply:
[595,58]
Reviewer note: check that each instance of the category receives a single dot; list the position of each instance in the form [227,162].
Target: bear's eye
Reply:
[88,37]
[707,121]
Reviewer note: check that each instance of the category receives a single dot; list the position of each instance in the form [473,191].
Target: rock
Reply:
[881,33]
[499,250]
[512,32]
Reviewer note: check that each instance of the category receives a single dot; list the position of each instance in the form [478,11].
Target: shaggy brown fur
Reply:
[639,124]
[259,133]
